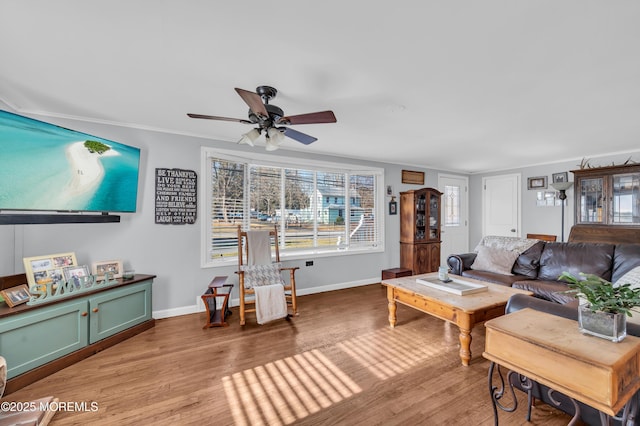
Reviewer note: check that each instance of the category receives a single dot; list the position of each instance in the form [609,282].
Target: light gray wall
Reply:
[172,251]
[537,220]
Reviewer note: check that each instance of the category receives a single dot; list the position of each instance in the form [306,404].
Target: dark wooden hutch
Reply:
[420,230]
[607,199]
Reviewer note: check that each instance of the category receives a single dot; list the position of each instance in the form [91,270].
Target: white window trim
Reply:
[283,161]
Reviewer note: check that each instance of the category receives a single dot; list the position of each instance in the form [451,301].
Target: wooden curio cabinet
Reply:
[420,230]
[608,195]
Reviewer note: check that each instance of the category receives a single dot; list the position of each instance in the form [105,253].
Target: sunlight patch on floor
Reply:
[285,390]
[388,352]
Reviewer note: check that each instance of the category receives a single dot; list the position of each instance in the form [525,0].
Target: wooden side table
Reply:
[218,288]
[551,350]
[389,274]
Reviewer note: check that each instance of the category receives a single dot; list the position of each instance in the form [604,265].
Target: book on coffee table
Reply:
[454,285]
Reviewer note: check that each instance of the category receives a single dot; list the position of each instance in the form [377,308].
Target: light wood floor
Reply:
[336,363]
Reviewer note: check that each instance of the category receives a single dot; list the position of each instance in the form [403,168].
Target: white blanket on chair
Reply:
[270,303]
[259,248]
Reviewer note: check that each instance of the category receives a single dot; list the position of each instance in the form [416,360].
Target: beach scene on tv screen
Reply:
[48,167]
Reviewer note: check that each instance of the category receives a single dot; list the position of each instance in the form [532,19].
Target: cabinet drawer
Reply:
[35,338]
[117,310]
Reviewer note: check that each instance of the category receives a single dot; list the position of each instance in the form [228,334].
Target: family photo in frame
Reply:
[16,295]
[41,270]
[75,274]
[113,267]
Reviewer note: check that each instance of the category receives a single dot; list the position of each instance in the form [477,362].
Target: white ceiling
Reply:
[464,85]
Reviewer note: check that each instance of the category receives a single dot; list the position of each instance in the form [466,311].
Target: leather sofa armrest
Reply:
[460,262]
[521,301]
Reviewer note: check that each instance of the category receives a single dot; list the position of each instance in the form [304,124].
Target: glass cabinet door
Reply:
[421,204]
[591,200]
[434,219]
[625,207]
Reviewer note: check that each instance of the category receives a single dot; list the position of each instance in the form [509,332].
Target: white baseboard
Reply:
[199,306]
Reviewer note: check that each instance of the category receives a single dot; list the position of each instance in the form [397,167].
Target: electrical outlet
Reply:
[309,263]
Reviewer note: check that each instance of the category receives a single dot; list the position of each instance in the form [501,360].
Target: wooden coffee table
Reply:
[464,311]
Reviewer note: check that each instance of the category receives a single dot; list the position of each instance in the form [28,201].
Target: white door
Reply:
[501,205]
[454,231]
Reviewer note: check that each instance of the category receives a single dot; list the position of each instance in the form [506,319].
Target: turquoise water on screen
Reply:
[34,169]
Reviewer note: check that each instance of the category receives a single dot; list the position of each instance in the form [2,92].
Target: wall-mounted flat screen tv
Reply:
[50,168]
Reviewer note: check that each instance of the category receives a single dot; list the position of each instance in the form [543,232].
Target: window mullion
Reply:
[283,212]
[315,209]
[347,208]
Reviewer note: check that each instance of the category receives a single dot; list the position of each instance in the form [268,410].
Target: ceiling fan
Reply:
[270,119]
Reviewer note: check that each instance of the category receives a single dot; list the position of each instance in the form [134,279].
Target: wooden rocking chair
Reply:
[245,258]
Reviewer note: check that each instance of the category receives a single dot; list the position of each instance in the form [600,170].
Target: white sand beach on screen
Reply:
[87,171]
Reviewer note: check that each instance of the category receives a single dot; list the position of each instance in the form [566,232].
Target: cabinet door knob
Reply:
[84,314]
[94,310]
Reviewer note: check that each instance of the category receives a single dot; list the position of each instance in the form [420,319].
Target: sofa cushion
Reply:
[548,290]
[528,262]
[632,277]
[589,258]
[493,277]
[625,258]
[493,259]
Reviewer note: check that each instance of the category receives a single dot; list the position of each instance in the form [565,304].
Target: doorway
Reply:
[454,231]
[501,205]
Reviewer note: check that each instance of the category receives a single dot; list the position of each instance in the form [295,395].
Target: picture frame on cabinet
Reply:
[41,270]
[16,295]
[72,274]
[99,269]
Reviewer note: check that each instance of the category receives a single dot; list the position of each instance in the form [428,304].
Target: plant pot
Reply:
[602,324]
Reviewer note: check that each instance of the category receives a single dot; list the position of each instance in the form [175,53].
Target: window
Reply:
[319,208]
[451,205]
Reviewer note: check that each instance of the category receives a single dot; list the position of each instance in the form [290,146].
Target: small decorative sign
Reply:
[416,178]
[61,289]
[176,196]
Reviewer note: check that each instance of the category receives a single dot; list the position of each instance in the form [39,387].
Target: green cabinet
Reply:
[36,337]
[42,334]
[115,311]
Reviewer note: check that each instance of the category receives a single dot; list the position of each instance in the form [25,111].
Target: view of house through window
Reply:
[315,210]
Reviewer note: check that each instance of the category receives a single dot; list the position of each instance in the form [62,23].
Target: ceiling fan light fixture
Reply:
[275,135]
[271,145]
[250,137]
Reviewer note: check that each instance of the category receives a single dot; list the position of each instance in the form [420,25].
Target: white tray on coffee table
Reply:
[455,285]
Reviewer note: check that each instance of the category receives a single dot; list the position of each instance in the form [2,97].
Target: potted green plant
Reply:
[605,308]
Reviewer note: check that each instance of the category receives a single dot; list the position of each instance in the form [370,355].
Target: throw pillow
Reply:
[495,260]
[256,275]
[631,277]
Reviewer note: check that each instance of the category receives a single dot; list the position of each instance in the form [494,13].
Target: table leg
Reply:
[465,345]
[392,307]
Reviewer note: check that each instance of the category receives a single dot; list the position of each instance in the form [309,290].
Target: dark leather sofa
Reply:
[537,269]
[613,252]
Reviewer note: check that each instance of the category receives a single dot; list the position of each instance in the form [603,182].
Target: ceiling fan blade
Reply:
[298,136]
[213,117]
[310,118]
[254,101]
